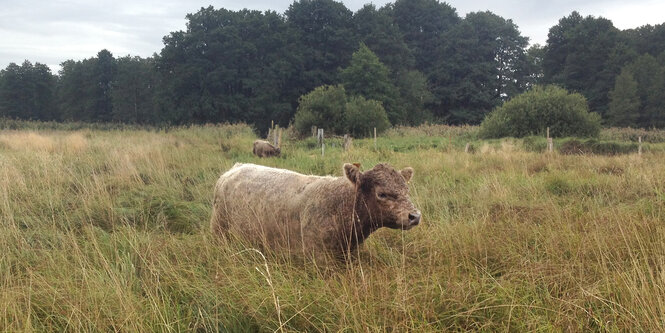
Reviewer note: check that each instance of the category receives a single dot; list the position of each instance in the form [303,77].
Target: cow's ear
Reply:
[352,172]
[407,173]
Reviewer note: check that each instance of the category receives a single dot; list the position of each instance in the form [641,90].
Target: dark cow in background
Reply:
[265,149]
[277,207]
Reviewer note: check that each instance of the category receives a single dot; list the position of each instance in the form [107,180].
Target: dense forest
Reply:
[431,65]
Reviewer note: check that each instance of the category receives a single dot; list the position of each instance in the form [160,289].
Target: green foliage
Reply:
[482,63]
[363,115]
[624,101]
[647,39]
[103,74]
[324,107]
[532,112]
[649,75]
[27,92]
[423,24]
[133,91]
[414,94]
[328,107]
[366,76]
[85,88]
[534,58]
[578,57]
[377,29]
[230,66]
[426,64]
[325,40]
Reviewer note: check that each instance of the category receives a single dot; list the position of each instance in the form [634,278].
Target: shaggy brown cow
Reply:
[279,207]
[265,149]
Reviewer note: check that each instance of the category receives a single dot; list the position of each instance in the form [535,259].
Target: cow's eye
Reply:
[383,195]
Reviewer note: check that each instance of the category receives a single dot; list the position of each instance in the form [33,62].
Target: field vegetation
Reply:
[107,230]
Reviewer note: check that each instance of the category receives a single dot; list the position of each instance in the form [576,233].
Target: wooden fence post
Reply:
[550,145]
[314,131]
[374,137]
[639,148]
[466,149]
[275,137]
[347,142]
[319,136]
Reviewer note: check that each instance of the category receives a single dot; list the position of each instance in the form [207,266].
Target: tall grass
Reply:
[108,230]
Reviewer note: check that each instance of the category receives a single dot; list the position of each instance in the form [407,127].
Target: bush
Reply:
[532,112]
[328,107]
[363,115]
[322,107]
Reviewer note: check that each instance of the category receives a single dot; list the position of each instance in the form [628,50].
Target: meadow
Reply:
[107,230]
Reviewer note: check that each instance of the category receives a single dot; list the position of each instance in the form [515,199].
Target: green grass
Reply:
[108,230]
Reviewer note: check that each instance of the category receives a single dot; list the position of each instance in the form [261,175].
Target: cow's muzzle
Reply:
[414,218]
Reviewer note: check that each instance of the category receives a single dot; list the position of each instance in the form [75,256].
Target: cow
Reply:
[277,207]
[265,149]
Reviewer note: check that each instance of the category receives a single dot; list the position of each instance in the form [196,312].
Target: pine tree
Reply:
[624,101]
[366,76]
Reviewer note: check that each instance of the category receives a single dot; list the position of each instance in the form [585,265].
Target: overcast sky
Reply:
[53,31]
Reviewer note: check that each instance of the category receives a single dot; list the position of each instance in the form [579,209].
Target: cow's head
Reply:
[385,193]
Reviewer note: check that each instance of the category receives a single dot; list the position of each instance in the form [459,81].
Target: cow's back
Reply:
[268,203]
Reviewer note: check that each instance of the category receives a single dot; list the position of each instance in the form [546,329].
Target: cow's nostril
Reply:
[414,218]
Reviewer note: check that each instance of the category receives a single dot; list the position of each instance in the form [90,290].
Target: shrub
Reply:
[322,107]
[566,114]
[328,107]
[363,115]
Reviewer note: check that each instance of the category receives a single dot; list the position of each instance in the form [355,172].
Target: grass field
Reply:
[107,230]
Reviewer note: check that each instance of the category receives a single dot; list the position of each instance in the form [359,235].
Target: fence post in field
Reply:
[314,131]
[466,149]
[374,137]
[550,144]
[319,136]
[639,148]
[279,138]
[269,135]
[275,138]
[347,142]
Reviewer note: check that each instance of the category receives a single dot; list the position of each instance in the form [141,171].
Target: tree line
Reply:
[426,62]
